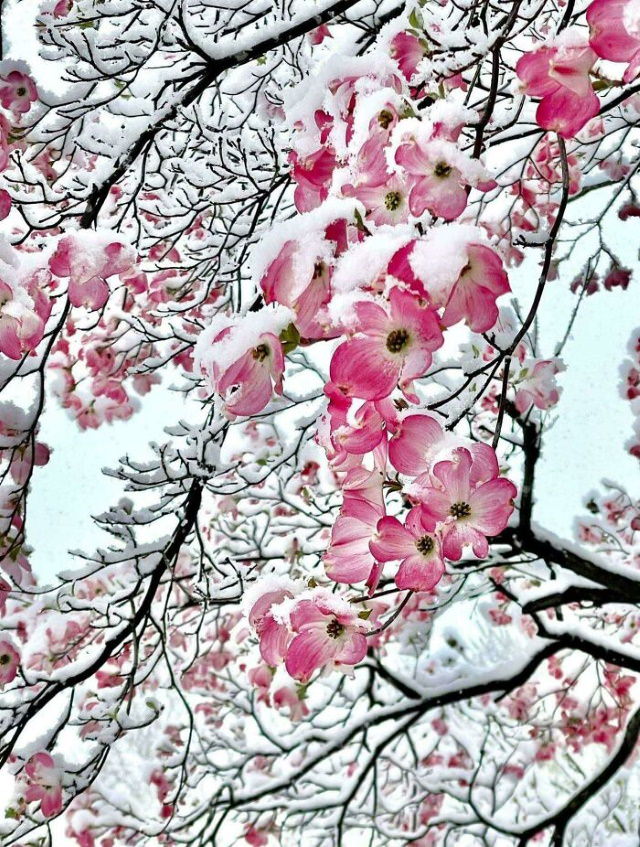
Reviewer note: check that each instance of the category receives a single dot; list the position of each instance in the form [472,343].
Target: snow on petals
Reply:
[44,779]
[88,260]
[243,359]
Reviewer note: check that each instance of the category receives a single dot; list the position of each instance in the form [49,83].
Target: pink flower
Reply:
[539,386]
[17,92]
[408,51]
[24,310]
[303,283]
[5,588]
[385,200]
[473,296]
[45,784]
[313,177]
[88,268]
[348,559]
[392,347]
[615,33]
[248,384]
[9,659]
[559,75]
[420,442]
[288,697]
[469,510]
[318,35]
[254,836]
[5,204]
[328,632]
[416,547]
[274,636]
[437,185]
[469,294]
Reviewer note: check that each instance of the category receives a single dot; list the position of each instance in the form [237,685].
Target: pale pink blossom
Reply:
[273,635]
[468,511]
[537,385]
[44,780]
[88,268]
[24,309]
[248,384]
[419,442]
[328,633]
[17,92]
[9,660]
[392,347]
[415,545]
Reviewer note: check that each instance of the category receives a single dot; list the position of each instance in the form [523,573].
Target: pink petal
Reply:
[419,574]
[393,541]
[417,440]
[308,651]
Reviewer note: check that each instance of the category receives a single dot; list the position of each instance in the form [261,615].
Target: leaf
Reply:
[290,338]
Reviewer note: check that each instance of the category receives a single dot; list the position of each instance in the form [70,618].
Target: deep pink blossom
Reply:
[415,545]
[273,635]
[302,283]
[17,92]
[538,386]
[44,784]
[614,33]
[392,347]
[469,511]
[88,267]
[5,204]
[248,384]
[9,660]
[312,175]
[559,75]
[328,633]
[408,51]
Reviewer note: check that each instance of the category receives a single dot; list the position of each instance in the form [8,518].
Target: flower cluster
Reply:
[379,265]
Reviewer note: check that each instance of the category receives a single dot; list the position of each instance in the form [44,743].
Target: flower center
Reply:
[318,269]
[5,659]
[442,169]
[397,340]
[392,200]
[21,91]
[260,352]
[425,545]
[384,118]
[460,510]
[334,629]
